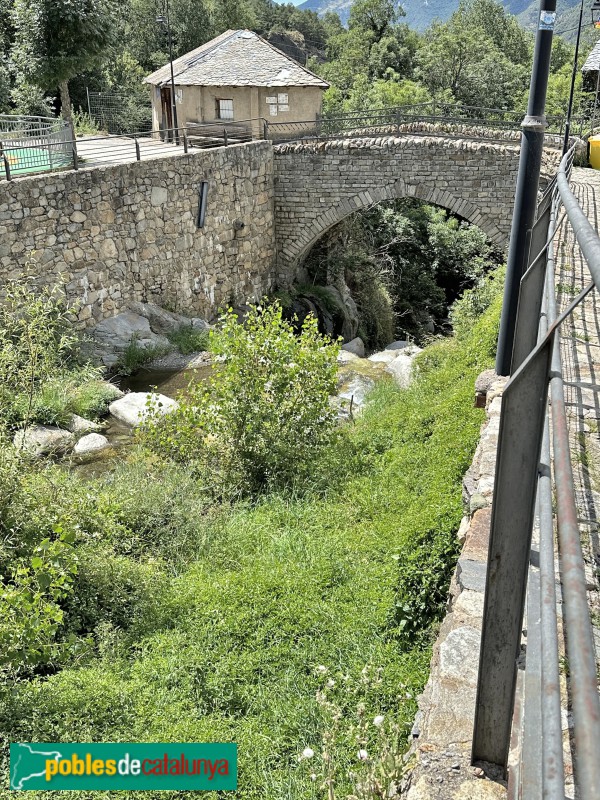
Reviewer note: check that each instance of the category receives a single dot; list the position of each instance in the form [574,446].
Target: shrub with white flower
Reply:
[308,752]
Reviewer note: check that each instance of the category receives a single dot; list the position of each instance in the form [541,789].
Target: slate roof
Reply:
[592,62]
[236,58]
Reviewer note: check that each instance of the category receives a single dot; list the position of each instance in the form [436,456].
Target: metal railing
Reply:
[533,448]
[486,122]
[24,155]
[18,159]
[33,142]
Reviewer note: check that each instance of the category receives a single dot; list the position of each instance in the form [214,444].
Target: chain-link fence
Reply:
[116,112]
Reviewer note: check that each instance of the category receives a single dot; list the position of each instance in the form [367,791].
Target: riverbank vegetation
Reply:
[139,607]
[405,263]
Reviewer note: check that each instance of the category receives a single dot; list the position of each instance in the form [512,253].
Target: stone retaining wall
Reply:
[122,233]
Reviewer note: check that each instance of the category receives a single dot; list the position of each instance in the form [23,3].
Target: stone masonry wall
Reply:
[122,233]
[317,184]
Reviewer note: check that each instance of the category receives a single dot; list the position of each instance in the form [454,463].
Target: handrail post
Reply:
[185,142]
[138,155]
[225,135]
[75,155]
[6,163]
[519,445]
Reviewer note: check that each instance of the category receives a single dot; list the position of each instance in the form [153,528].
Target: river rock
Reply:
[80,425]
[383,357]
[345,357]
[356,346]
[112,336]
[162,321]
[92,443]
[355,390]
[42,440]
[401,344]
[401,370]
[132,408]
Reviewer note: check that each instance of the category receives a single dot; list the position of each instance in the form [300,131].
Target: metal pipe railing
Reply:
[523,471]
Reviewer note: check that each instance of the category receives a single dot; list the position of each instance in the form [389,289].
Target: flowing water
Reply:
[172,383]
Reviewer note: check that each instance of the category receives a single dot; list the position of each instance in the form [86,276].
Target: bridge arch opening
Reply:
[397,190]
[396,265]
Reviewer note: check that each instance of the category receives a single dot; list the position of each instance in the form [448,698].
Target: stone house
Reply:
[236,77]
[591,69]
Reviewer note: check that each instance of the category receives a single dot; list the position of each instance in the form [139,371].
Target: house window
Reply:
[224,109]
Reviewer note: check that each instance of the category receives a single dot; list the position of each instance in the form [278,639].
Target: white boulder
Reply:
[79,424]
[401,370]
[345,357]
[383,357]
[91,443]
[42,440]
[132,408]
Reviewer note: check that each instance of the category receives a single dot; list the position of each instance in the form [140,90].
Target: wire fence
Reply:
[118,113]
[534,472]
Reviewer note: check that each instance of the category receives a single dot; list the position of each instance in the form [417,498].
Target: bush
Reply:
[37,565]
[262,419]
[41,379]
[36,343]
[189,340]
[474,302]
[111,591]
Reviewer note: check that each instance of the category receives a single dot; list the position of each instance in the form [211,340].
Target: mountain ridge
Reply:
[421,13]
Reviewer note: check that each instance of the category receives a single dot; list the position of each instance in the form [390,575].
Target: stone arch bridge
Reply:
[318,184]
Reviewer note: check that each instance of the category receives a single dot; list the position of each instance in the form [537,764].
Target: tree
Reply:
[57,39]
[460,56]
[374,17]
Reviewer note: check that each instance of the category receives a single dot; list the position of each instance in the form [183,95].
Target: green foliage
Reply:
[56,40]
[91,398]
[37,349]
[475,301]
[41,379]
[113,593]
[459,57]
[422,587]
[135,356]
[405,263]
[84,125]
[189,340]
[260,421]
[30,613]
[37,565]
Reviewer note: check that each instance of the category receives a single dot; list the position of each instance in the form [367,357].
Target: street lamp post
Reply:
[165,20]
[530,162]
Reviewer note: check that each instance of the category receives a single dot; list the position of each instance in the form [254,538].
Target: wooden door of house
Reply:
[167,112]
